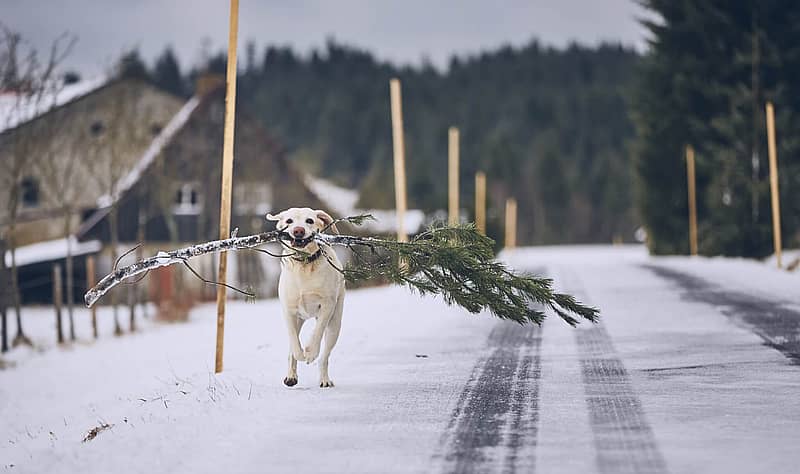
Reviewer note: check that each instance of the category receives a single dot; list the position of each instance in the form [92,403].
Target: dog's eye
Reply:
[289,221]
[309,221]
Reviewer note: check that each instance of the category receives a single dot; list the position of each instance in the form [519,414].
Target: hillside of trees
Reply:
[710,71]
[550,127]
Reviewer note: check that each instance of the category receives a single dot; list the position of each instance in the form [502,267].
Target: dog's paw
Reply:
[326,383]
[310,354]
[290,381]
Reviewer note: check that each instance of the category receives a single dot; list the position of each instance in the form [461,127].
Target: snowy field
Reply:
[685,374]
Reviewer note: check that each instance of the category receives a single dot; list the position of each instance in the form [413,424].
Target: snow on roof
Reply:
[343,202]
[52,250]
[16,109]
[156,147]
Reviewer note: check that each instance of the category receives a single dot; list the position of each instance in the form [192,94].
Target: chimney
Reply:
[208,82]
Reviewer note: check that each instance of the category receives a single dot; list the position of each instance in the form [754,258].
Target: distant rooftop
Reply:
[16,108]
[343,202]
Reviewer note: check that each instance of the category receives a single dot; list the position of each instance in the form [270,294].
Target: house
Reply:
[70,147]
[62,148]
[148,164]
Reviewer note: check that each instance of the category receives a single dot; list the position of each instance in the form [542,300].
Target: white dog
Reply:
[309,287]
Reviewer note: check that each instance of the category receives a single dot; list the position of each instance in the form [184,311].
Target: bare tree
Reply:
[122,132]
[32,84]
[57,167]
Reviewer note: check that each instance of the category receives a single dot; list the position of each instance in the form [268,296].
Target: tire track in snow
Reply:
[494,425]
[776,324]
[623,439]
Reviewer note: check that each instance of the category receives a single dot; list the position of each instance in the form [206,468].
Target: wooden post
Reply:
[692,200]
[90,282]
[480,202]
[399,159]
[453,176]
[227,178]
[57,300]
[511,223]
[773,182]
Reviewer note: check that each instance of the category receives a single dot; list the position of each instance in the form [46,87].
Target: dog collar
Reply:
[311,257]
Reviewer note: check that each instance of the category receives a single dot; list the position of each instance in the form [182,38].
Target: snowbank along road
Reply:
[693,369]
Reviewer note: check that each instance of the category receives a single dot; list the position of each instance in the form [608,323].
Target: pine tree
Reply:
[131,66]
[711,69]
[167,73]
[512,105]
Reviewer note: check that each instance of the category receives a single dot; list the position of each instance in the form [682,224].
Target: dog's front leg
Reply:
[293,328]
[291,377]
[323,317]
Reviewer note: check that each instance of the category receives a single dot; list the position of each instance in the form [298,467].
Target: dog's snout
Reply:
[298,232]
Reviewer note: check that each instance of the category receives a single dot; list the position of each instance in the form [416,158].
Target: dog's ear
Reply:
[275,217]
[327,220]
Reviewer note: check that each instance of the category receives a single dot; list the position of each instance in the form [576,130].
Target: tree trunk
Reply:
[57,297]
[70,280]
[113,231]
[756,131]
[133,295]
[90,281]
[20,337]
[3,298]
[132,307]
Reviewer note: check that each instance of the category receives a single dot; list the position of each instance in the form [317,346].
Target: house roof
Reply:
[156,147]
[17,109]
[343,202]
[51,250]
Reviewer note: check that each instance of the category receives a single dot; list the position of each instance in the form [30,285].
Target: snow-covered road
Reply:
[693,369]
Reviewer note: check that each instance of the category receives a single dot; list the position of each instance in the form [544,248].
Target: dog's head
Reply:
[301,223]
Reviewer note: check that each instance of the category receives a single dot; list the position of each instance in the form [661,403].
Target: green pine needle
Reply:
[458,263]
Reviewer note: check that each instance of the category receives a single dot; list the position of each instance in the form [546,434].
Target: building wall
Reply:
[77,152]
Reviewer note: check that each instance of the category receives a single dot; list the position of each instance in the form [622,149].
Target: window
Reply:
[97,128]
[187,200]
[30,192]
[252,198]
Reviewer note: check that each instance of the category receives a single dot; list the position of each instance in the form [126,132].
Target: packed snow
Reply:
[716,398]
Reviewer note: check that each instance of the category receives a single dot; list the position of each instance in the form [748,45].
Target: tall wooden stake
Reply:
[227,177]
[773,182]
[480,202]
[399,159]
[511,223]
[453,176]
[692,200]
[90,282]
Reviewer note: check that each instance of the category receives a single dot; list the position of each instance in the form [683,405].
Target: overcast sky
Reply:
[398,31]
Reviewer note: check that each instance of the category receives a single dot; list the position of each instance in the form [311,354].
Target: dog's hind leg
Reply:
[331,336]
[291,377]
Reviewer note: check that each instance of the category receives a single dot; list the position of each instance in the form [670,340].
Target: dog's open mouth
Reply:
[300,243]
